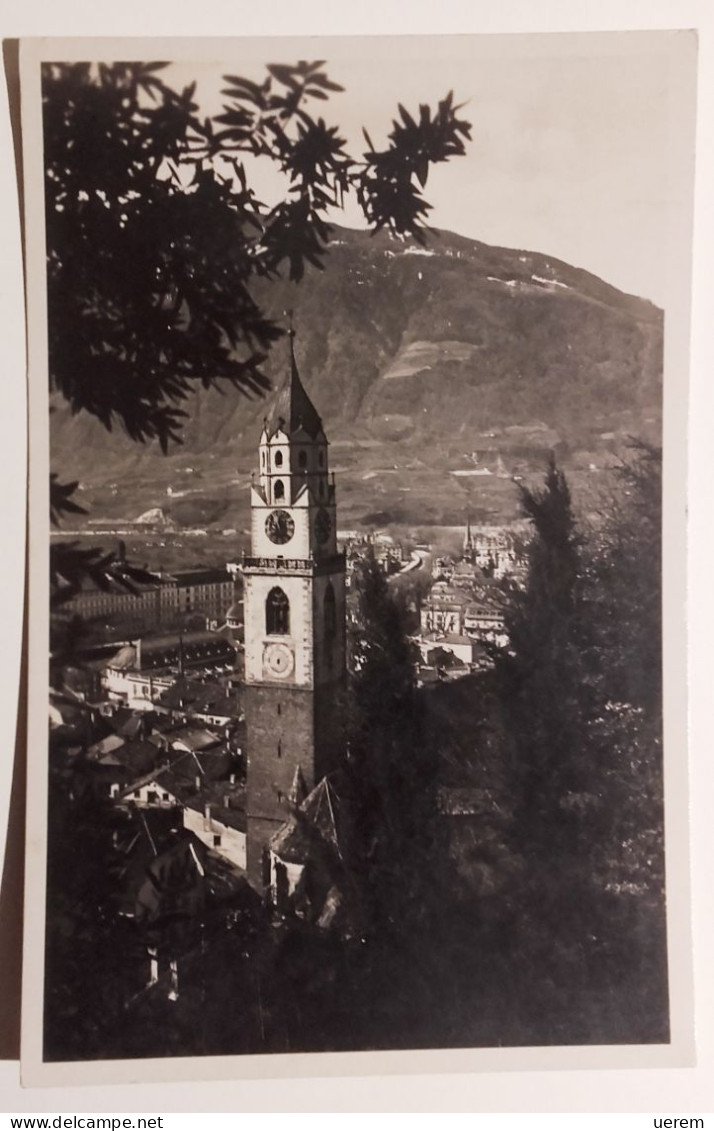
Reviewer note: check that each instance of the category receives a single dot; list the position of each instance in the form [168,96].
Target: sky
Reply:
[572,141]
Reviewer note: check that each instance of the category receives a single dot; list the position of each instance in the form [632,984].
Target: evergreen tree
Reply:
[625,585]
[581,716]
[543,686]
[626,569]
[392,766]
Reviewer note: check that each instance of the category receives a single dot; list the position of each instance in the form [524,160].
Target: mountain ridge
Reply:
[414,354]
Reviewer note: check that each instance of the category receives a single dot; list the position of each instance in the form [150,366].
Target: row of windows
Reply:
[279,489]
[277,612]
[114,600]
[302,459]
[215,595]
[210,591]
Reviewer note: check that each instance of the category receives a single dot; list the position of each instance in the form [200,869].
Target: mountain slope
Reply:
[416,358]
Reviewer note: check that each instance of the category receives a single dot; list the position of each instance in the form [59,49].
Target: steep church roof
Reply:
[292,409]
[317,821]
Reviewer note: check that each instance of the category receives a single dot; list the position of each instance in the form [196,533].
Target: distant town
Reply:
[189,624]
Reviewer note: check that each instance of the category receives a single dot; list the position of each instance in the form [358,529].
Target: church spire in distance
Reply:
[468,539]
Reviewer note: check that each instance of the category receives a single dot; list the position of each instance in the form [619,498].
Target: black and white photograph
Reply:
[356,390]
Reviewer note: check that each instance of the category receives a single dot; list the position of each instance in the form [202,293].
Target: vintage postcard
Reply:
[358,386]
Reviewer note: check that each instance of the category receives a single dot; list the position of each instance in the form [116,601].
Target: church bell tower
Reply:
[294,607]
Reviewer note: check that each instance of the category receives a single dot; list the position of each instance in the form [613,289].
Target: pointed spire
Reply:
[468,541]
[322,807]
[291,338]
[293,409]
[298,790]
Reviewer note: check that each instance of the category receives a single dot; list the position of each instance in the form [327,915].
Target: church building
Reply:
[294,610]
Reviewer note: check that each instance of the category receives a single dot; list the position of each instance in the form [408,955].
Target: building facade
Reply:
[140,673]
[492,549]
[209,593]
[294,610]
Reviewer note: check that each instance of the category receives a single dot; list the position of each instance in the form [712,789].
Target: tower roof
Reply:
[298,790]
[292,409]
[318,820]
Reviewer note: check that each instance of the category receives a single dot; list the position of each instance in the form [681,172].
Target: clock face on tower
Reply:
[323,526]
[279,527]
[278,661]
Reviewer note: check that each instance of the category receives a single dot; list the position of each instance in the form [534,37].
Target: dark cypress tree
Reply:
[579,691]
[391,765]
[626,599]
[541,677]
[627,569]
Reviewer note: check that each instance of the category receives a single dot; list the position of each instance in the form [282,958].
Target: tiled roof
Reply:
[226,801]
[134,759]
[106,745]
[195,738]
[134,726]
[319,813]
[206,698]
[192,864]
[124,659]
[180,777]
[189,640]
[139,783]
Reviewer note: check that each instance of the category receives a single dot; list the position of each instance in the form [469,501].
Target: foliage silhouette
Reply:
[154,234]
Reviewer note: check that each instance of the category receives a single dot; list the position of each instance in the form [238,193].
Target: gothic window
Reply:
[278,459]
[302,460]
[321,459]
[330,612]
[279,489]
[277,613]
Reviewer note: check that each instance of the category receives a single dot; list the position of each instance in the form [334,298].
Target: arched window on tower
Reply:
[278,459]
[302,459]
[330,612]
[279,489]
[277,613]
